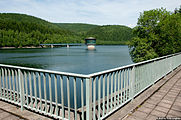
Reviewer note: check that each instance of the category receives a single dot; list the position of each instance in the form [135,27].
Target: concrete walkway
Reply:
[8,116]
[12,111]
[166,102]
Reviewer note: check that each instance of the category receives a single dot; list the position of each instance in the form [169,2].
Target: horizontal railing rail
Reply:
[46,71]
[134,64]
[76,96]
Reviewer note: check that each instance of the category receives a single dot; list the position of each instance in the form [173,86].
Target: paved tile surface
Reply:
[8,116]
[16,111]
[166,102]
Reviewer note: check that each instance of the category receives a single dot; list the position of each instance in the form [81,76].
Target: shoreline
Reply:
[28,47]
[20,47]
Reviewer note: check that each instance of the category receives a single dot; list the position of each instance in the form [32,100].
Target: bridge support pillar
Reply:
[51,46]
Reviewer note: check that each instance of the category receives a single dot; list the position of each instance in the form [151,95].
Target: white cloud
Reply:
[124,12]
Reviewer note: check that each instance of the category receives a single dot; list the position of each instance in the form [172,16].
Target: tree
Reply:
[157,34]
[169,35]
[177,10]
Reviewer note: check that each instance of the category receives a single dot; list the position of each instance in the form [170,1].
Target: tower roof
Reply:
[90,38]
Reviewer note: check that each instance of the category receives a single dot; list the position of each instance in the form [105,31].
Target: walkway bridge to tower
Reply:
[62,44]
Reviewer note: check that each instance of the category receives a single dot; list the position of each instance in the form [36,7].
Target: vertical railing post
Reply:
[20,87]
[154,73]
[88,99]
[132,82]
[0,83]
[172,63]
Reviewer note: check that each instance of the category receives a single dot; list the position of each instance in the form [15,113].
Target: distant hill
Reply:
[111,34]
[106,34]
[77,27]
[18,30]
[27,23]
[23,30]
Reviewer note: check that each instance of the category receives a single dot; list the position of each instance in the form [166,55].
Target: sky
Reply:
[101,12]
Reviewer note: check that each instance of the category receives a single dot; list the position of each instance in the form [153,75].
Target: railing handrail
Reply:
[131,65]
[46,71]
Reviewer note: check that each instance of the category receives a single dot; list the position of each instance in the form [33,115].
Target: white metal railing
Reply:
[75,96]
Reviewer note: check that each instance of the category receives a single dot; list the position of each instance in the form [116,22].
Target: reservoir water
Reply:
[76,59]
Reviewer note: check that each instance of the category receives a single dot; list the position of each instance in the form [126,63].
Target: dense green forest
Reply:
[111,34]
[158,33]
[77,27]
[19,30]
[23,30]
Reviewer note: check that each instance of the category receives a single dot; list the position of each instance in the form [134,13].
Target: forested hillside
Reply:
[19,30]
[77,27]
[111,34]
[26,23]
[23,30]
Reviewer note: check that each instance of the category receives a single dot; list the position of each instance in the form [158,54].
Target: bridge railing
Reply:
[49,92]
[116,87]
[76,96]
